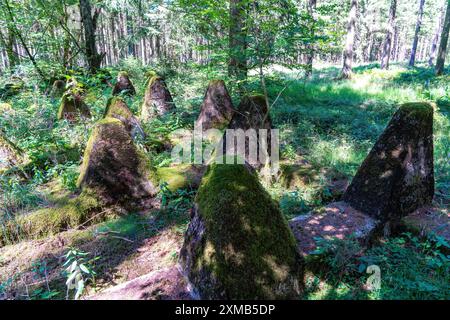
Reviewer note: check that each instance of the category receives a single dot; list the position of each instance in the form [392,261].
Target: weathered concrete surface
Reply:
[124,85]
[217,108]
[157,99]
[338,221]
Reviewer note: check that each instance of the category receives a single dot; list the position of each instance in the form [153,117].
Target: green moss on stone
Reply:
[72,104]
[181,176]
[249,247]
[417,109]
[149,75]
[152,80]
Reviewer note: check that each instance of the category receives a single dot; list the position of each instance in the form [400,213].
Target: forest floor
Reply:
[327,127]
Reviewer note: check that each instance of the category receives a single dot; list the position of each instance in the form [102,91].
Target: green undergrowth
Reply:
[331,125]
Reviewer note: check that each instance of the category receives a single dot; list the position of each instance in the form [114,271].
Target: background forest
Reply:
[332,73]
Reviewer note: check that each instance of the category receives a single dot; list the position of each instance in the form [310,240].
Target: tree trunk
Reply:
[444,41]
[89,25]
[131,51]
[388,41]
[112,27]
[310,48]
[237,65]
[412,59]
[349,43]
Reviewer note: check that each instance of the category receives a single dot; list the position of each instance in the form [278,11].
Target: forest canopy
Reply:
[210,33]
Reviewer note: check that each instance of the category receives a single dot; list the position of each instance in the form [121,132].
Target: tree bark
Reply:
[434,43]
[350,41]
[412,59]
[93,58]
[444,41]
[237,65]
[388,41]
[15,31]
[310,48]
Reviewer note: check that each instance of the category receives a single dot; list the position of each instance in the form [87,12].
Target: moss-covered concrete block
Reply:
[114,167]
[157,99]
[12,88]
[429,221]
[72,107]
[117,108]
[252,113]
[293,176]
[217,108]
[337,220]
[238,245]
[123,85]
[58,88]
[397,176]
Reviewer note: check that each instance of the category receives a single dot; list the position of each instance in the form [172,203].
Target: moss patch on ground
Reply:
[297,176]
[184,176]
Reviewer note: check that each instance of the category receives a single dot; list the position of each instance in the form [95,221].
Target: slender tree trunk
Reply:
[310,47]
[350,41]
[444,42]
[8,43]
[388,41]
[237,65]
[89,25]
[412,59]
[435,40]
[15,31]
